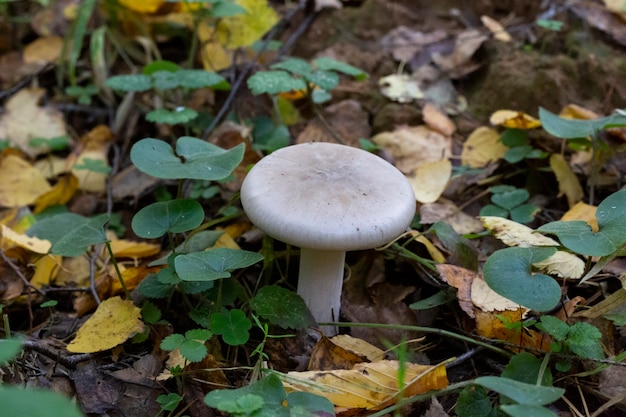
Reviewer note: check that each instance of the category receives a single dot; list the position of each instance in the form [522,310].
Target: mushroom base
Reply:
[319,284]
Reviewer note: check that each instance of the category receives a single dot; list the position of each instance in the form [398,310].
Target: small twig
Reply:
[92,273]
[69,362]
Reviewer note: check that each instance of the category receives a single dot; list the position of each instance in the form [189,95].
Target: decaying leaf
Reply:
[135,250]
[24,119]
[43,50]
[22,184]
[507,326]
[482,147]
[430,180]
[574,111]
[459,62]
[513,119]
[446,211]
[495,27]
[89,162]
[114,322]
[244,29]
[370,386]
[437,120]
[562,264]
[336,353]
[568,182]
[402,88]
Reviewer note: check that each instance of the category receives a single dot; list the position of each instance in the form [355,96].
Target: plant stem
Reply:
[117,270]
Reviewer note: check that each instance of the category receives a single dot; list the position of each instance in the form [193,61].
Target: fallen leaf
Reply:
[562,264]
[446,211]
[327,355]
[617,7]
[459,62]
[135,250]
[327,4]
[114,321]
[412,146]
[43,50]
[60,194]
[568,182]
[24,119]
[496,28]
[22,183]
[402,88]
[89,161]
[513,119]
[574,111]
[359,346]
[32,244]
[405,42]
[46,269]
[430,180]
[507,326]
[432,250]
[370,386]
[482,147]
[437,120]
[144,6]
[244,29]
[582,211]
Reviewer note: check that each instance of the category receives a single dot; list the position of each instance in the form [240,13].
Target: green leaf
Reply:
[244,405]
[508,272]
[150,313]
[94,165]
[172,117]
[326,80]
[574,128]
[584,340]
[169,402]
[151,287]
[510,199]
[525,410]
[578,236]
[213,264]
[520,392]
[517,153]
[70,234]
[57,143]
[160,65]
[281,307]
[525,367]
[194,79]
[514,138]
[198,334]
[493,210]
[193,159]
[296,66]
[276,402]
[330,64]
[233,326]
[274,82]
[172,342]
[21,402]
[134,82]
[473,402]
[193,351]
[165,80]
[226,9]
[174,216]
[524,213]
[320,96]
[556,328]
[9,349]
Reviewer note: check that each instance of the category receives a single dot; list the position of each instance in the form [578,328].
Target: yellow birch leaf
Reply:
[21,183]
[51,166]
[245,29]
[430,180]
[46,269]
[114,321]
[568,182]
[213,54]
[563,264]
[61,193]
[370,386]
[482,147]
[513,119]
[359,346]
[583,211]
[32,244]
[134,250]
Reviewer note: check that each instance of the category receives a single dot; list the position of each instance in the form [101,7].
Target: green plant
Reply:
[519,146]
[508,201]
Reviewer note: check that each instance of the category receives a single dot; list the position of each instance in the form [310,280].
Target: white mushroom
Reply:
[327,199]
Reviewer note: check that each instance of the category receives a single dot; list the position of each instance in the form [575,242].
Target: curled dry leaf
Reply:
[562,264]
[437,120]
[459,62]
[482,147]
[495,27]
[568,182]
[513,119]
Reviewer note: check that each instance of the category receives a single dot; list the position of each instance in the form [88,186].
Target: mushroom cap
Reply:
[327,196]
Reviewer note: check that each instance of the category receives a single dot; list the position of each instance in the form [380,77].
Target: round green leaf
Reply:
[193,159]
[175,216]
[520,392]
[508,272]
[19,402]
[135,82]
[281,307]
[213,264]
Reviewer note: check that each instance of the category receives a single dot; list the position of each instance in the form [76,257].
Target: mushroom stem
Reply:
[319,284]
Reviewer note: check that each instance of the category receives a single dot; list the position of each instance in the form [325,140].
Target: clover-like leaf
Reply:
[213,264]
[174,216]
[508,272]
[330,64]
[70,234]
[274,82]
[233,325]
[510,199]
[193,159]
[172,117]
[133,82]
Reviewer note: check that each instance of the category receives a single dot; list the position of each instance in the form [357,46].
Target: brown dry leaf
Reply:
[404,42]
[61,193]
[506,325]
[328,355]
[94,147]
[617,7]
[21,183]
[482,147]
[74,272]
[583,211]
[24,119]
[10,238]
[412,146]
[430,180]
[44,50]
[370,386]
[513,119]
[495,27]
[459,62]
[359,346]
[568,182]
[46,269]
[114,321]
[563,264]
[438,120]
[446,211]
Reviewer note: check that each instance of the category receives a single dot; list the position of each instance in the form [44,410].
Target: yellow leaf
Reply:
[24,119]
[514,119]
[434,253]
[44,50]
[21,183]
[495,27]
[430,180]
[133,250]
[583,211]
[245,29]
[114,321]
[616,6]
[61,193]
[46,269]
[32,244]
[360,346]
[574,111]
[371,386]
[502,326]
[482,147]
[94,146]
[568,182]
[563,264]
[143,6]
